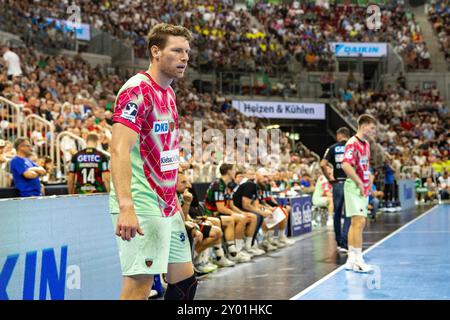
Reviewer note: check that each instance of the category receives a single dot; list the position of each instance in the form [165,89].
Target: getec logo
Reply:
[50,276]
[88,158]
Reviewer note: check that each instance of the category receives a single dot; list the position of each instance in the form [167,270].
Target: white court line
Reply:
[317,283]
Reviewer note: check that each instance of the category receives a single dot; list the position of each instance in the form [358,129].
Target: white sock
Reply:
[248,243]
[270,234]
[239,244]
[281,235]
[358,254]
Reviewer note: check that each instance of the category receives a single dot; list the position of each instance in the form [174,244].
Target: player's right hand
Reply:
[128,224]
[361,189]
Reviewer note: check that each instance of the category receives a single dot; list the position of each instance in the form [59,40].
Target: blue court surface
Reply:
[411,263]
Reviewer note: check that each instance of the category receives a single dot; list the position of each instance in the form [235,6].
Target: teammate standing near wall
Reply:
[88,170]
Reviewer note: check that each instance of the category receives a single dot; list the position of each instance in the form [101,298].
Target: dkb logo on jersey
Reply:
[130,112]
[161,127]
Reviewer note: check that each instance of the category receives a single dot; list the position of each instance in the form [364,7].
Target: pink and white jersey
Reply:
[143,106]
[357,154]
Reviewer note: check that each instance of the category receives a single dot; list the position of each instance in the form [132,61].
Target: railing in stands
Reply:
[5,176]
[12,119]
[41,133]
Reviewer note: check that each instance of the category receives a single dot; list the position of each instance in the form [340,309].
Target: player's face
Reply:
[174,57]
[182,183]
[370,130]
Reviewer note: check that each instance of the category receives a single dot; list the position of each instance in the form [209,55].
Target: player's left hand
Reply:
[187,196]
[198,236]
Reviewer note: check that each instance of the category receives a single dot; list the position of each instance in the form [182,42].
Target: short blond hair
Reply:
[159,34]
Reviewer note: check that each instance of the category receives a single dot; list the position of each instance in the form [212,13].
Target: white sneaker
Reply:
[274,243]
[255,251]
[239,257]
[224,262]
[362,267]
[153,294]
[286,241]
[242,257]
[342,249]
[267,246]
[330,222]
[245,253]
[278,243]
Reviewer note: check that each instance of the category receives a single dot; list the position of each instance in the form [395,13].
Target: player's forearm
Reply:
[254,209]
[185,208]
[323,167]
[121,177]
[225,210]
[70,184]
[106,180]
[351,173]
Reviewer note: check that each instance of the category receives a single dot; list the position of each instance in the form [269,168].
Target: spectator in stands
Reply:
[2,148]
[12,62]
[444,185]
[431,190]
[307,185]
[26,173]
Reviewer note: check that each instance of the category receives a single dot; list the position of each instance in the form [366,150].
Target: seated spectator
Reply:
[420,189]
[431,190]
[444,185]
[323,196]
[306,184]
[25,172]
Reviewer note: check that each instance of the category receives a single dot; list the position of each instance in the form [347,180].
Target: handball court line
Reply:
[328,276]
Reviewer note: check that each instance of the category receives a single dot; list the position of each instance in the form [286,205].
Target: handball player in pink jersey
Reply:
[149,226]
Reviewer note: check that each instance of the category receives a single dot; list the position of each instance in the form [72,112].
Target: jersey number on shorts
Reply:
[88,175]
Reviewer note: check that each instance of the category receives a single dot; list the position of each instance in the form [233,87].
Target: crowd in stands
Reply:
[439,16]
[306,29]
[224,38]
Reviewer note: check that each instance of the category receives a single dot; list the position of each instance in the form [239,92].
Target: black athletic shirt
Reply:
[248,189]
[335,154]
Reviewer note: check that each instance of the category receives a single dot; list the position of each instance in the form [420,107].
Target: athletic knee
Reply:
[359,222]
[216,233]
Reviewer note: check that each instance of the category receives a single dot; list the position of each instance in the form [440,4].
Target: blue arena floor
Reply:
[411,263]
